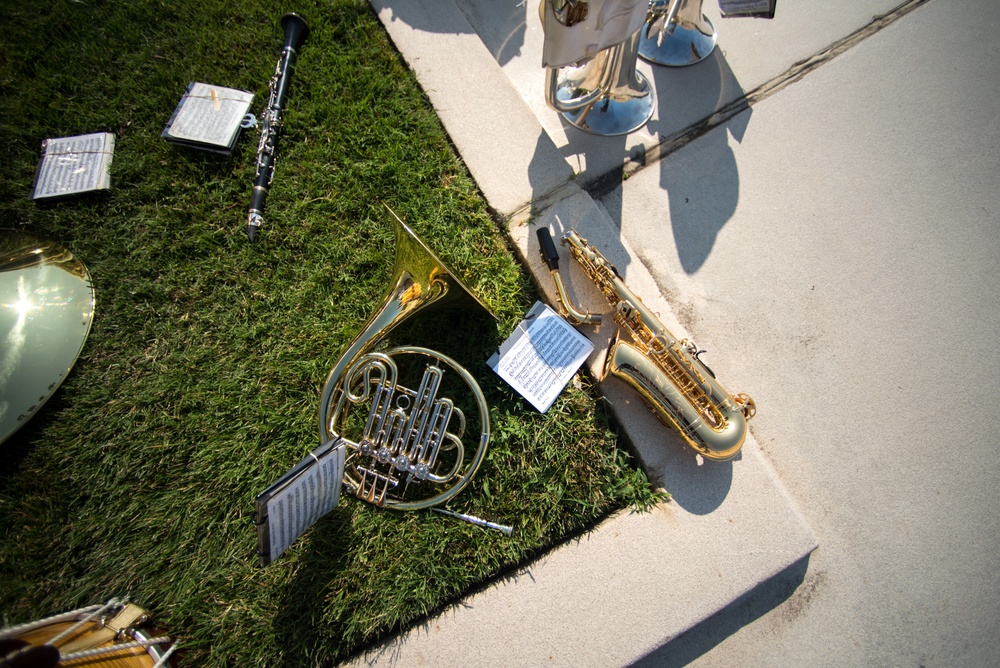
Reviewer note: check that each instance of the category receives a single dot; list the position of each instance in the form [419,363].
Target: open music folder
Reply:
[73,165]
[209,118]
[286,509]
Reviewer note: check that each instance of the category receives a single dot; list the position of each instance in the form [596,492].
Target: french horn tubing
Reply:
[407,448]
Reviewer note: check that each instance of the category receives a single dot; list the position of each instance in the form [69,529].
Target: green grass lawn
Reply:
[200,382]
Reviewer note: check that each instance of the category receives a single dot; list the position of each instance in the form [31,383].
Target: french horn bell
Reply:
[406,443]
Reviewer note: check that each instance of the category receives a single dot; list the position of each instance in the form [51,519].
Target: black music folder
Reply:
[286,509]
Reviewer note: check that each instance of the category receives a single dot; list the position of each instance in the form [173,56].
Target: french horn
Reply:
[405,435]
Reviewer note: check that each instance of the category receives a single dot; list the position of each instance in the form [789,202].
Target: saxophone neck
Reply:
[551,258]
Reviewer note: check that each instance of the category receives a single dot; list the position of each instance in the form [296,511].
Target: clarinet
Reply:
[296,31]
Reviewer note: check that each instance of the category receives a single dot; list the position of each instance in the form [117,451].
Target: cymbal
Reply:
[46,310]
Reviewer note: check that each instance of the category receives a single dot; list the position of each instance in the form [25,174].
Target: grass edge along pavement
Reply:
[200,381]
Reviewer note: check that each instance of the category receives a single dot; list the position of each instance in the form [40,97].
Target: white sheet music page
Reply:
[307,497]
[541,356]
[209,114]
[72,165]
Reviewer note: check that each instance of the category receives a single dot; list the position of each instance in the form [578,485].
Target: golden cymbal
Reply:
[46,310]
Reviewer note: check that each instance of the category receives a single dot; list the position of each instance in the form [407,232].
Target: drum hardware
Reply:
[98,635]
[668,374]
[600,93]
[410,452]
[677,33]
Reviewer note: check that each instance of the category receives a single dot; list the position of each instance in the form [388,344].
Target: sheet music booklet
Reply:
[208,118]
[541,356]
[73,165]
[286,509]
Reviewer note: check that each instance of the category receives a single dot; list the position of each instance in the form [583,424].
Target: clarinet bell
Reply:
[296,30]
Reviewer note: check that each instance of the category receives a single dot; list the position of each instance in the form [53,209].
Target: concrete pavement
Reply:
[816,204]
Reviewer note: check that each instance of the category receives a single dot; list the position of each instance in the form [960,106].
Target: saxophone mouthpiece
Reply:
[551,257]
[547,248]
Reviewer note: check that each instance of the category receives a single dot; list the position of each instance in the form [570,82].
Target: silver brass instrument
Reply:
[667,373]
[677,33]
[410,451]
[598,92]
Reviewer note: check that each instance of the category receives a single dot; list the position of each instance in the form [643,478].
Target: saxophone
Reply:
[666,372]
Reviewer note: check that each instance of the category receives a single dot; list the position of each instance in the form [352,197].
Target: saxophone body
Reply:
[665,372]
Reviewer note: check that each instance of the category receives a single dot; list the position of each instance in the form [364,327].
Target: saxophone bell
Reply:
[665,372]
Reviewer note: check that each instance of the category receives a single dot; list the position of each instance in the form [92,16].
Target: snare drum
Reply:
[97,636]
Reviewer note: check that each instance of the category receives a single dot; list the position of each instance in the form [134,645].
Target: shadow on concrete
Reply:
[702,193]
[504,36]
[697,489]
[747,608]
[668,461]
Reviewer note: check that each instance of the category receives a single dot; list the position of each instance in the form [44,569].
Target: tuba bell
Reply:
[677,33]
[407,448]
[589,57]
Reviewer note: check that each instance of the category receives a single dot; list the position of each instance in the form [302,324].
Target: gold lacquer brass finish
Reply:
[666,372]
[46,310]
[406,449]
[98,636]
